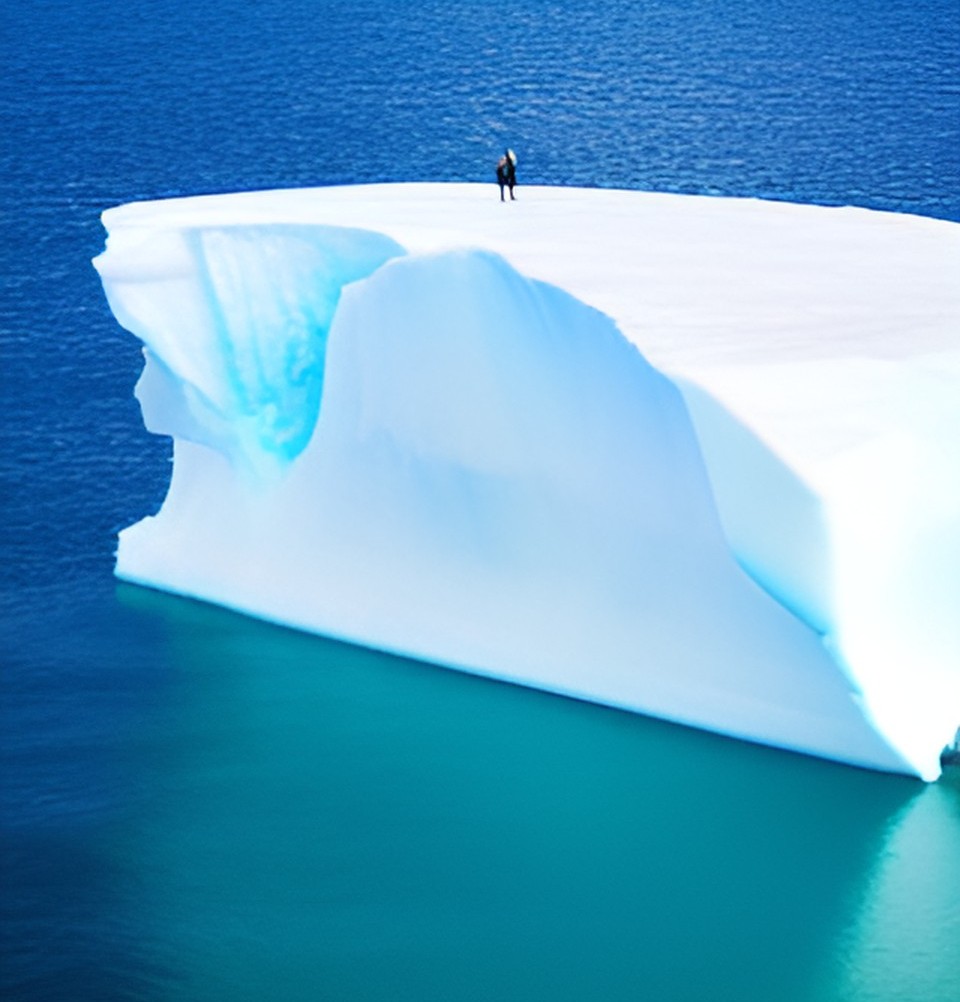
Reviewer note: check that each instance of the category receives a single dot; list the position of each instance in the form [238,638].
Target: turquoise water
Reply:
[196,806]
[268,814]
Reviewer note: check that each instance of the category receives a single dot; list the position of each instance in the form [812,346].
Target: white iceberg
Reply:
[693,457]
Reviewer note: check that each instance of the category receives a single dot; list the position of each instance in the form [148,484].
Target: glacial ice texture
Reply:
[697,458]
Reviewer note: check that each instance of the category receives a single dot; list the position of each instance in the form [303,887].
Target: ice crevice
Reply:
[697,458]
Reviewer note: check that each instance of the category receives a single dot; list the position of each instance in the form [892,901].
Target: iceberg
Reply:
[693,457]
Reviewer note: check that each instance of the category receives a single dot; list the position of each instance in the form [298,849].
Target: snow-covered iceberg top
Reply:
[694,457]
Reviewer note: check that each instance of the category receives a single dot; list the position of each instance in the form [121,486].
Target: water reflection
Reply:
[331,822]
[904,942]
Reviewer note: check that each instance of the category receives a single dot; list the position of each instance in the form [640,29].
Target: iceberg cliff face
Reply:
[411,417]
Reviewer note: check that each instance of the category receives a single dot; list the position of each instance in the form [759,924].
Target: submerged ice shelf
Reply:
[693,457]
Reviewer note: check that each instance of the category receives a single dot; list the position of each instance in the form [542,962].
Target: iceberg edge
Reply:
[408,419]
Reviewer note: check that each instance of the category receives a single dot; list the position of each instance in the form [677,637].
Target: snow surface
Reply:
[694,457]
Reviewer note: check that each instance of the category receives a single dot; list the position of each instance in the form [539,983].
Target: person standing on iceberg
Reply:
[507,172]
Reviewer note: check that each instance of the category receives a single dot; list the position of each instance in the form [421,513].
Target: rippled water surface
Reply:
[196,806]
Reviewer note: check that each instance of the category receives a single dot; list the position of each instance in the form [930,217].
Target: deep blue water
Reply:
[197,806]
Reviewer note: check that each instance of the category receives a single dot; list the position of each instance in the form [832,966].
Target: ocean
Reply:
[198,806]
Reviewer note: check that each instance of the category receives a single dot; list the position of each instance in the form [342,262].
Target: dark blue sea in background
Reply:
[197,806]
